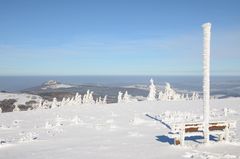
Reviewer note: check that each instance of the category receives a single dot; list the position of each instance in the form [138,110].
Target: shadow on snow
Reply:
[166,139]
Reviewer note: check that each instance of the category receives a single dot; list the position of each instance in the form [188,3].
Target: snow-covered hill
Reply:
[21,98]
[130,130]
[54,85]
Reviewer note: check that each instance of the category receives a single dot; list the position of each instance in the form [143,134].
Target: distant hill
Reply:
[50,89]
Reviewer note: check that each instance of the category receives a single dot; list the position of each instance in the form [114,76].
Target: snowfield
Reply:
[21,98]
[135,130]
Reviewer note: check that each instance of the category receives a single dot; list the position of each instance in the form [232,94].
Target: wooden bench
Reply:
[181,130]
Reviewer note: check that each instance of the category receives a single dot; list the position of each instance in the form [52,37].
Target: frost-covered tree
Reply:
[195,96]
[76,95]
[169,94]
[71,102]
[63,102]
[160,96]
[126,97]
[120,96]
[67,101]
[152,91]
[54,103]
[104,100]
[90,98]
[87,96]
[182,97]
[46,104]
[40,103]
[78,99]
[84,99]
[16,109]
[98,100]
[0,110]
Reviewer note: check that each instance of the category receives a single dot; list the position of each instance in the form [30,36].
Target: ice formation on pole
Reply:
[152,91]
[206,77]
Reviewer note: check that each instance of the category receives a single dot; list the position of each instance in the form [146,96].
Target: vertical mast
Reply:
[206,78]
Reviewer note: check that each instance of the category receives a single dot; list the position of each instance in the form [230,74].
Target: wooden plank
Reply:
[191,129]
[212,128]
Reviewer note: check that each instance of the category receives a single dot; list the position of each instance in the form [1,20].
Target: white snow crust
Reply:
[122,130]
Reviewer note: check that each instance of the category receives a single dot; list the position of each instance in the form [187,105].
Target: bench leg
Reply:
[226,134]
[182,138]
[220,137]
[176,141]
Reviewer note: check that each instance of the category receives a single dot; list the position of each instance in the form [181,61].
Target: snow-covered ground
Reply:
[128,130]
[21,98]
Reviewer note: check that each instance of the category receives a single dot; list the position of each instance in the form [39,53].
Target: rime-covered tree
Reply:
[78,99]
[54,103]
[63,102]
[126,97]
[40,103]
[90,98]
[195,96]
[120,96]
[168,94]
[152,91]
[104,100]
[16,109]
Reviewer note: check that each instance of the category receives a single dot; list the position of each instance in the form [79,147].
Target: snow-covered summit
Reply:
[52,84]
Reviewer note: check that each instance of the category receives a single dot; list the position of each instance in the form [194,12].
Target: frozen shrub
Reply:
[7,105]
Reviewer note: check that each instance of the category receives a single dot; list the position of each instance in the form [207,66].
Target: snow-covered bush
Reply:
[24,107]
[7,105]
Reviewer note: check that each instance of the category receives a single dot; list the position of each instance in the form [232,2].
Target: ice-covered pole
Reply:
[206,78]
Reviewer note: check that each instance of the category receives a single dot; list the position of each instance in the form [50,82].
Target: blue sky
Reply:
[117,37]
